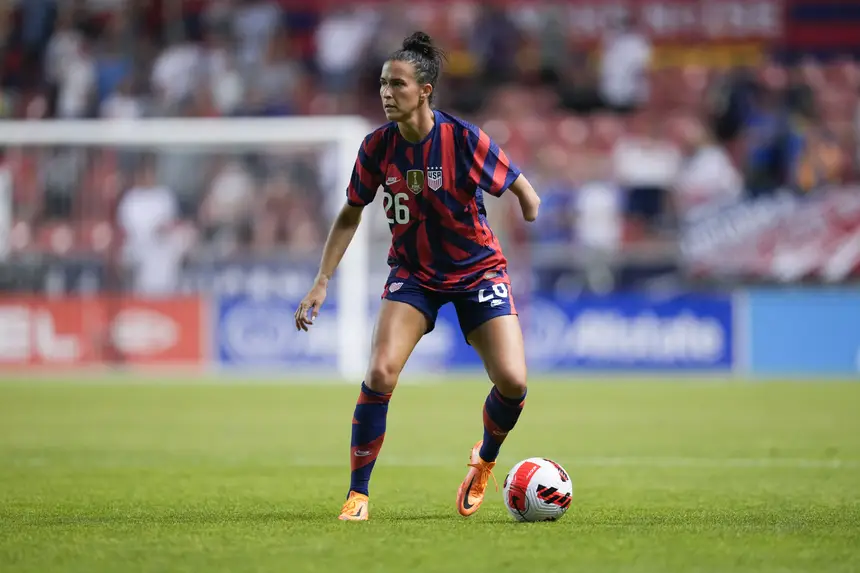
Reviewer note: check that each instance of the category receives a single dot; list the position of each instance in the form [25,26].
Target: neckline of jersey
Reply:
[427,137]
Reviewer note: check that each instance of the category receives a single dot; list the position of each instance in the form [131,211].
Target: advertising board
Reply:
[90,331]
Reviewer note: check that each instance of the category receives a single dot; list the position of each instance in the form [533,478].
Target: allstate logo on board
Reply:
[619,332]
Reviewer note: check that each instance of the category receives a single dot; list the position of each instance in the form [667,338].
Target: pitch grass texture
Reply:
[668,477]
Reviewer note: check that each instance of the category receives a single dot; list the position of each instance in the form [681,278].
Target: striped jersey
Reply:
[433,199]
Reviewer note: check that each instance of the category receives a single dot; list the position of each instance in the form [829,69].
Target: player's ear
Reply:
[426,90]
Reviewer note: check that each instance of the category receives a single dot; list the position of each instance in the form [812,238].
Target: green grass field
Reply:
[674,476]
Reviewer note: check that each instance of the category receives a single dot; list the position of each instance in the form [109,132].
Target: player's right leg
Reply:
[399,327]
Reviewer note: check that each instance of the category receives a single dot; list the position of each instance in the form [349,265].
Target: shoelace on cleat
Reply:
[483,469]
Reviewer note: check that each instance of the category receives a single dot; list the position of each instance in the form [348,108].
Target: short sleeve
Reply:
[366,173]
[491,170]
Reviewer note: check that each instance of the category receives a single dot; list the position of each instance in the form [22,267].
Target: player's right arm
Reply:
[365,181]
[339,237]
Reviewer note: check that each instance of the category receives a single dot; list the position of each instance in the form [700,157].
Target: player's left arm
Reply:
[493,171]
[527,196]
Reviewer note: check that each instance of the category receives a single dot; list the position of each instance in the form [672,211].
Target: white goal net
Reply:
[246,204]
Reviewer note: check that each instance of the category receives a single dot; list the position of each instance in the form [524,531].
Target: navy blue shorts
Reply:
[474,307]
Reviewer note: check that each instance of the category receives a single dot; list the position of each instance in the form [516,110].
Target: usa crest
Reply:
[415,180]
[434,178]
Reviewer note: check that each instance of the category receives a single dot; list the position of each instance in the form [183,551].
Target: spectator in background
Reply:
[285,217]
[799,93]
[217,16]
[176,72]
[496,44]
[814,157]
[60,173]
[576,87]
[36,18]
[76,82]
[122,103]
[279,73]
[599,206]
[147,215]
[766,132]
[557,192]
[254,24]
[221,70]
[730,102]
[645,164]
[225,213]
[707,177]
[626,55]
[114,60]
[342,40]
[62,47]
[465,91]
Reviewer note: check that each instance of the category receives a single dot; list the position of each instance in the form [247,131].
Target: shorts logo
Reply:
[415,180]
[434,178]
[496,302]
[394,287]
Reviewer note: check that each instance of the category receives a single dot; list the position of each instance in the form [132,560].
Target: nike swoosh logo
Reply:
[392,180]
[361,453]
[358,513]
[466,504]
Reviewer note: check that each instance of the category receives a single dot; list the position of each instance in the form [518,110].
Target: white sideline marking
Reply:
[621,461]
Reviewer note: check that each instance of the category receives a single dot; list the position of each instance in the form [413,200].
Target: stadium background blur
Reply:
[700,230]
[683,150]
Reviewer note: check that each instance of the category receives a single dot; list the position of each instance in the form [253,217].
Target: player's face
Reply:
[401,94]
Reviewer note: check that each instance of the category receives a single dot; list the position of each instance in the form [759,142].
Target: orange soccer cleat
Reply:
[471,492]
[356,508]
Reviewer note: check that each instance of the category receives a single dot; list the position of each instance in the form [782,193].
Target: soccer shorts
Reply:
[474,307]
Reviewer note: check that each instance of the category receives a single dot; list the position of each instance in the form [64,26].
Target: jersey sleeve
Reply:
[490,168]
[366,174]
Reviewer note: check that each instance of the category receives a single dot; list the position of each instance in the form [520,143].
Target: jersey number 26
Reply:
[401,208]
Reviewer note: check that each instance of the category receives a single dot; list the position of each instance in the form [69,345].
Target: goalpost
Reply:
[343,134]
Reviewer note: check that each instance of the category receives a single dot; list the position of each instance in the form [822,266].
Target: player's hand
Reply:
[310,304]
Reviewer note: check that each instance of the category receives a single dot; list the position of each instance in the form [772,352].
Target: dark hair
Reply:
[418,50]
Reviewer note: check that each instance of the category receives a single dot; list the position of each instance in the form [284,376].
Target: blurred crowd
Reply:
[622,147]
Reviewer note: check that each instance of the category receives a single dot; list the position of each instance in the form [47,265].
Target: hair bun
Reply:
[420,43]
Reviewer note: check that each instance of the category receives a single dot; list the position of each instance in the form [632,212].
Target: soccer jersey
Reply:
[433,199]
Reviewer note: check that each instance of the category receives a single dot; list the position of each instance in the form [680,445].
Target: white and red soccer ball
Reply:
[537,489]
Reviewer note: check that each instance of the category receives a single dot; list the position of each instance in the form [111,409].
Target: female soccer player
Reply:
[433,169]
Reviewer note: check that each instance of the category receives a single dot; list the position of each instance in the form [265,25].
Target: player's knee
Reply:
[382,377]
[511,382]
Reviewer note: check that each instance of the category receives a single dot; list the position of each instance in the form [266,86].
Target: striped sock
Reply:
[368,432]
[500,417]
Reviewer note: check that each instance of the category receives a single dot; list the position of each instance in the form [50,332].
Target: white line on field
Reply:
[621,461]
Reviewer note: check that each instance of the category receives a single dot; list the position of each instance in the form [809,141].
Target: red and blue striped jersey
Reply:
[433,199]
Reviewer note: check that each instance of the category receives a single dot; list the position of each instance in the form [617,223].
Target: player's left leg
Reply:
[493,329]
[499,342]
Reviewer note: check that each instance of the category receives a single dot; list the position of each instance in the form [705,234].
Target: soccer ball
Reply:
[537,489]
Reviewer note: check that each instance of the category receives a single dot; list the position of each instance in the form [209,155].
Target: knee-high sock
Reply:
[500,417]
[368,432]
